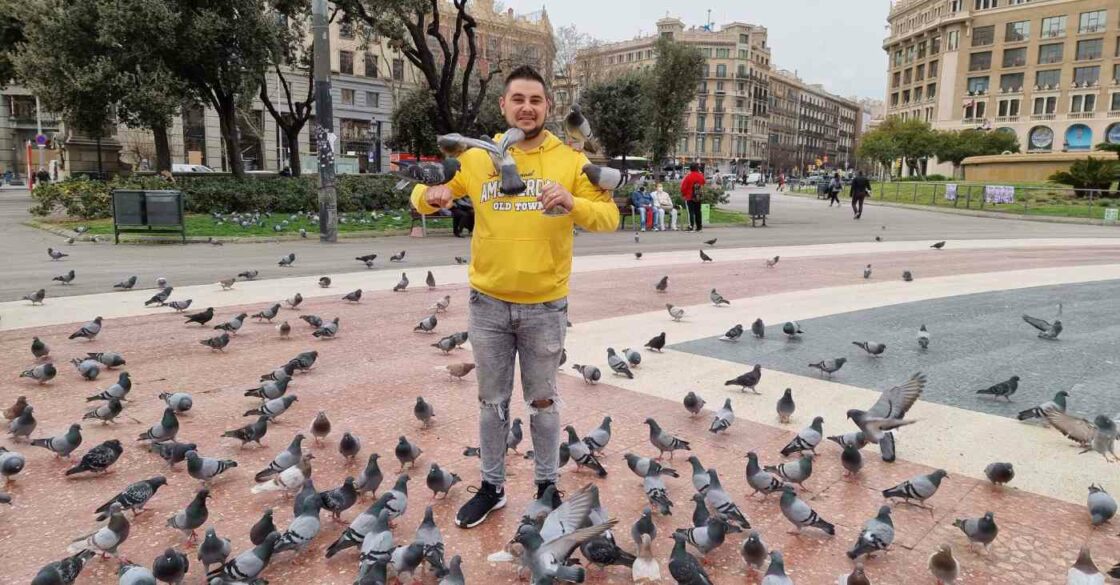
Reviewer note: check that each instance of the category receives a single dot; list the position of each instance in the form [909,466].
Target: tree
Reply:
[880,146]
[293,53]
[956,145]
[616,110]
[916,141]
[1091,174]
[1110,147]
[669,89]
[413,130]
[569,42]
[11,35]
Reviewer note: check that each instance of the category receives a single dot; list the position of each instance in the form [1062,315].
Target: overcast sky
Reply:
[837,43]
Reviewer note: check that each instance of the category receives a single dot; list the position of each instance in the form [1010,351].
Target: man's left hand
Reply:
[555,195]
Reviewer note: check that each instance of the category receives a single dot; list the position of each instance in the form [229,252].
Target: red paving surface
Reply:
[367,381]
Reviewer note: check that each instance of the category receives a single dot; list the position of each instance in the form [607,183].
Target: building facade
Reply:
[1046,70]
[727,128]
[809,127]
[20,117]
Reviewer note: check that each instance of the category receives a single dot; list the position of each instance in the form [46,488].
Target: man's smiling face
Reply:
[525,106]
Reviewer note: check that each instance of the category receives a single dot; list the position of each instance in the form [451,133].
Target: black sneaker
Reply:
[486,499]
[544,485]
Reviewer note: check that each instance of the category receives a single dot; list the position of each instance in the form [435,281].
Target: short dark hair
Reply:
[527,73]
[694,167]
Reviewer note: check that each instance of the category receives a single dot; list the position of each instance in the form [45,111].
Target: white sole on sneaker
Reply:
[501,504]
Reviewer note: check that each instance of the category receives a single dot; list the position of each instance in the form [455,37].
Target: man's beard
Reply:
[531,134]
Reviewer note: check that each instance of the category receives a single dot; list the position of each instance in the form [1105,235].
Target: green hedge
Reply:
[86,199]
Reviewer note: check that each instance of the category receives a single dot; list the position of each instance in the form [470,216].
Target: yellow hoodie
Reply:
[518,254]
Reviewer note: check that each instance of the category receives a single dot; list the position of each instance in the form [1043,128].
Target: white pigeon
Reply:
[290,480]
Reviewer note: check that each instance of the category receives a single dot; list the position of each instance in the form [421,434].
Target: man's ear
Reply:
[502,104]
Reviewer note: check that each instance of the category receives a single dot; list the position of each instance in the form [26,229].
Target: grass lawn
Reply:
[1041,199]
[722,216]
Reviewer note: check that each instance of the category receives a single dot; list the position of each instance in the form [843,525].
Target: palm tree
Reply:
[1091,174]
[1110,147]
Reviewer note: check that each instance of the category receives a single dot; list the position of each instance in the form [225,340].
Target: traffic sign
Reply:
[41,140]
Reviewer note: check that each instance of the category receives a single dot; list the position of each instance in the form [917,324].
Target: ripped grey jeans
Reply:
[534,334]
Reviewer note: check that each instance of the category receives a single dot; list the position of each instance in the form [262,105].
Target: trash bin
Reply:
[758,208]
[706,213]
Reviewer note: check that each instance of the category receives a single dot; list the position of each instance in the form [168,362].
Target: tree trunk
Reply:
[231,134]
[291,136]
[163,148]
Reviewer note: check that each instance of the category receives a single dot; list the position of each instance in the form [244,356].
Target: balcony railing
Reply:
[1082,115]
[1042,117]
[1093,28]
[1006,119]
[49,120]
[1114,114]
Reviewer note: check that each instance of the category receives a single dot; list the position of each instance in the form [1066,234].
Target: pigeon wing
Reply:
[896,402]
[562,547]
[569,516]
[1037,323]
[1074,428]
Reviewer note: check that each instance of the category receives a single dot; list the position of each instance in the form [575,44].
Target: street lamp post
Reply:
[324,123]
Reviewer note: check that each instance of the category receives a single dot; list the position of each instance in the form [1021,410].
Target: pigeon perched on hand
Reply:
[577,130]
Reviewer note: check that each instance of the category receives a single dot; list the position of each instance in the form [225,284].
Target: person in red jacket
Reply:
[690,191]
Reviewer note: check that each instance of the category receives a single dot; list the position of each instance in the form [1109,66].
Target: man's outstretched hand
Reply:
[438,196]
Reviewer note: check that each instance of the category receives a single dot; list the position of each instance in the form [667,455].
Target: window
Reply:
[1050,53]
[347,97]
[649,53]
[1092,22]
[1116,73]
[721,70]
[700,140]
[977,84]
[1082,104]
[920,73]
[954,40]
[744,39]
[932,69]
[702,104]
[1008,108]
[983,36]
[743,54]
[917,94]
[1015,57]
[1053,27]
[898,58]
[1048,78]
[1011,82]
[723,53]
[907,76]
[1017,31]
[1087,50]
[980,61]
[894,99]
[905,96]
[398,69]
[373,99]
[911,53]
[719,88]
[706,52]
[931,91]
[922,50]
[974,109]
[717,142]
[346,29]
[346,62]
[1115,103]
[1047,105]
[935,45]
[986,4]
[371,64]
[1086,76]
[701,123]
[956,6]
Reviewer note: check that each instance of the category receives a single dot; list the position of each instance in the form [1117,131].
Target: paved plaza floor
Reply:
[970,296]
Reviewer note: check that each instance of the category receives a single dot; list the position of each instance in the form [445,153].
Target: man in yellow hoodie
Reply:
[521,260]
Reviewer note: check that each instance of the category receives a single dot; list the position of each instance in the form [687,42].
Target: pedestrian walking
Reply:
[834,186]
[690,191]
[781,181]
[861,189]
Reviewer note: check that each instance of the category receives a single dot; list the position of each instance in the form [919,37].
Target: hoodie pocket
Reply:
[519,268]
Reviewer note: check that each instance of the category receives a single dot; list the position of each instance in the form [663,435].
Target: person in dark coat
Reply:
[861,189]
[462,216]
[834,187]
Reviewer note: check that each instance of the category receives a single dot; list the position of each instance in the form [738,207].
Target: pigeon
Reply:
[676,313]
[1003,389]
[106,539]
[234,324]
[643,466]
[423,411]
[283,460]
[684,567]
[747,380]
[369,521]
[62,445]
[36,297]
[758,329]
[582,454]
[119,390]
[1098,435]
[871,347]
[191,518]
[286,261]
[305,360]
[320,427]
[643,527]
[919,488]
[294,301]
[284,329]
[430,538]
[65,278]
[807,439]
[1102,507]
[717,299]
[178,401]
[633,358]
[999,473]
[427,324]
[600,436]
[340,499]
[657,342]
[701,479]
[461,260]
[578,131]
[397,502]
[227,283]
[262,528]
[907,276]
[16,409]
[132,574]
[349,446]
[97,459]
[664,441]
[328,330]
[923,337]
[180,306]
[272,409]
[290,480]
[325,282]
[590,374]
[889,410]
[1084,571]
[773,261]
[402,284]
[268,314]
[459,370]
[798,471]
[127,284]
[22,426]
[733,334]
[693,403]
[160,298]
[249,274]
[982,530]
[65,571]
[722,505]
[371,477]
[406,452]
[206,469]
[792,329]
[704,257]
[644,568]
[938,245]
[89,330]
[441,305]
[763,481]
[250,433]
[88,368]
[213,550]
[618,365]
[171,451]
[39,349]
[269,389]
[56,254]
[247,566]
[161,283]
[943,566]
[711,242]
[397,257]
[867,272]
[877,535]
[367,259]
[852,460]
[723,419]
[786,406]
[41,373]
[430,280]
[776,572]
[109,359]
[706,537]
[164,430]
[11,463]
[202,318]
[754,551]
[353,296]
[801,515]
[1047,330]
[662,285]
[440,481]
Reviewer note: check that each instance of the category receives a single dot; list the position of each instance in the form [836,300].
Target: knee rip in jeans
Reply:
[502,408]
[543,406]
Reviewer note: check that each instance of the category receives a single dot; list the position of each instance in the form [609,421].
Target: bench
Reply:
[626,210]
[422,219]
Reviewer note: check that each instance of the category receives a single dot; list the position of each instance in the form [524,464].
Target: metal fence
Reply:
[1027,200]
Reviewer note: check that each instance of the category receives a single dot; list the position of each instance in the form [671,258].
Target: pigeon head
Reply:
[204,493]
[157,481]
[989,516]
[939,474]
[817,422]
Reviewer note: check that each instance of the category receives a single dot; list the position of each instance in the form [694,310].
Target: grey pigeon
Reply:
[581,454]
[427,324]
[1102,506]
[131,574]
[704,257]
[801,515]
[722,505]
[303,529]
[218,342]
[160,298]
[132,498]
[758,329]
[325,282]
[943,566]
[371,477]
[906,275]
[441,305]
[643,526]
[547,559]
[723,419]
[181,306]
[249,274]
[361,526]
[205,469]
[1047,330]
[178,401]
[97,459]
[693,403]
[402,284]
[786,406]
[119,390]
[39,349]
[404,560]
[88,369]
[397,257]
[776,572]
[65,279]
[999,473]
[771,262]
[716,298]
[65,571]
[22,426]
[684,567]
[429,535]
[247,566]
[662,285]
[376,544]
[798,471]
[328,330]
[733,334]
[312,320]
[294,301]
[172,452]
[430,280]
[407,453]
[56,254]
[286,261]
[852,460]
[164,430]
[754,551]
[676,313]
[36,297]
[1003,389]
[643,466]
[644,568]
[747,380]
[250,433]
[268,314]
[923,337]
[305,360]
[873,348]
[707,537]
[89,330]
[889,410]
[106,539]
[829,367]
[701,479]
[41,373]
[227,283]
[271,409]
[761,480]
[700,514]
[269,389]
[792,329]
[445,344]
[1085,572]
[618,365]
[62,445]
[214,550]
[320,426]
[191,518]
[354,296]
[938,245]
[202,317]
[440,481]
[283,460]
[982,530]
[1058,404]
[578,131]
[340,499]
[663,441]
[633,358]
[657,493]
[919,489]
[398,500]
[807,438]
[590,374]
[11,463]
[234,324]
[349,446]
[1096,436]
[877,535]
[600,436]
